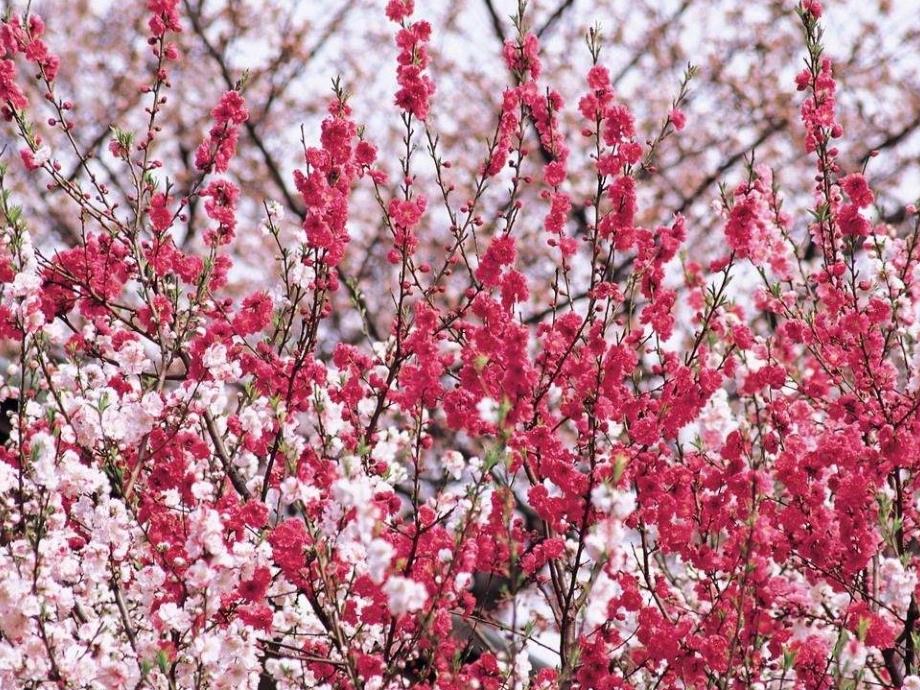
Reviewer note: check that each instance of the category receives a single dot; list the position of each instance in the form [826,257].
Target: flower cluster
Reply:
[164,17]
[331,172]
[18,37]
[415,87]
[215,152]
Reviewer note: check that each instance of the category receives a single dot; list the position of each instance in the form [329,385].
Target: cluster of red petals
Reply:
[332,169]
[215,152]
[165,17]
[415,87]
[19,39]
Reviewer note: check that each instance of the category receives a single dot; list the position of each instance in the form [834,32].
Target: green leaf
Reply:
[162,661]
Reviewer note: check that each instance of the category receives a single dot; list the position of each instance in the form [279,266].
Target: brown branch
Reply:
[726,165]
[892,140]
[555,17]
[643,49]
[496,21]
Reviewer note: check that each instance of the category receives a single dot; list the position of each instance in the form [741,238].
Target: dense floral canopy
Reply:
[448,394]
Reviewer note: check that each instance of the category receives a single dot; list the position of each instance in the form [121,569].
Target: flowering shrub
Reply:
[641,476]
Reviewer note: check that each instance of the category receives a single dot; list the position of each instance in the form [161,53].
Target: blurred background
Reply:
[743,100]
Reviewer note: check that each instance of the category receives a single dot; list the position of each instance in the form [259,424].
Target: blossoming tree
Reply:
[287,49]
[614,464]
